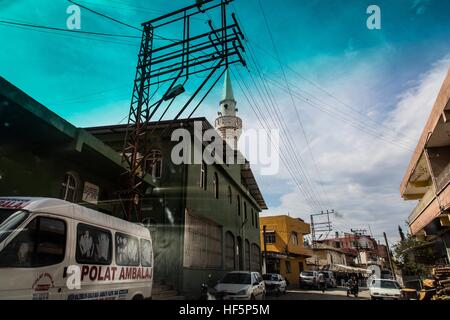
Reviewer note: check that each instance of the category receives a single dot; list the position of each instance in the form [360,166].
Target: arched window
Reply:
[239,205]
[245,211]
[69,187]
[230,195]
[216,185]
[255,258]
[154,164]
[230,257]
[247,255]
[203,176]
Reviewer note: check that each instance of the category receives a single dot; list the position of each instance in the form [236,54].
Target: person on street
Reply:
[321,282]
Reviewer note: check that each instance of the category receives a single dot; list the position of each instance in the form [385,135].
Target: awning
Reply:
[342,268]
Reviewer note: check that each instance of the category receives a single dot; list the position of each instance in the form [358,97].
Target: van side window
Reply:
[94,245]
[146,253]
[127,250]
[41,243]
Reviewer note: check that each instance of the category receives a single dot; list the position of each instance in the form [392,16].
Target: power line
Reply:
[105,16]
[277,119]
[67,30]
[342,118]
[310,198]
[331,95]
[287,83]
[119,22]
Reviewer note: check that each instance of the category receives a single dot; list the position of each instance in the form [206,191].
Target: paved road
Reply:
[334,294]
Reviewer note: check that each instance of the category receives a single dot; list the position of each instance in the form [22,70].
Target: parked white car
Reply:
[240,285]
[381,289]
[275,283]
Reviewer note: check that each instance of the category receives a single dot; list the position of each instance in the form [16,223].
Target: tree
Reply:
[414,257]
[402,235]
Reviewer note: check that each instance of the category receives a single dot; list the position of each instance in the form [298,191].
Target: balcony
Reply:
[228,122]
[443,179]
[423,204]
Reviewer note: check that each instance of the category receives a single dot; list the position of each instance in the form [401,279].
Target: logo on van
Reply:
[93,273]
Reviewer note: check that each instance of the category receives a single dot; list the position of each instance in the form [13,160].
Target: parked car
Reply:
[308,279]
[275,283]
[239,285]
[330,279]
[381,289]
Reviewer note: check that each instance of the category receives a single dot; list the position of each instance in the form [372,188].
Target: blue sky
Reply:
[377,72]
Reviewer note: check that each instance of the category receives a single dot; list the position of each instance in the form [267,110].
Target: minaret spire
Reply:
[227,93]
[228,124]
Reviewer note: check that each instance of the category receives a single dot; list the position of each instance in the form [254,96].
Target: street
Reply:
[334,294]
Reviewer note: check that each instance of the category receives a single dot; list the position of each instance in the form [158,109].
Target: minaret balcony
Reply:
[229,122]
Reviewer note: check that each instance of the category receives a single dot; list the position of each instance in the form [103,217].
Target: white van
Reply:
[55,250]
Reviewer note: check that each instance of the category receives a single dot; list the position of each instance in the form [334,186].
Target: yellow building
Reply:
[284,251]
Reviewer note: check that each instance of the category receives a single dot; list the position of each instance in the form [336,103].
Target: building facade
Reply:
[359,250]
[427,180]
[42,155]
[204,218]
[283,246]
[325,257]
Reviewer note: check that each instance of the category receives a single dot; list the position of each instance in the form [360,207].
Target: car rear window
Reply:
[237,278]
[270,277]
[308,274]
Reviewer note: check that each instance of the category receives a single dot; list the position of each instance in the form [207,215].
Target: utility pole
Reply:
[389,256]
[265,250]
[170,66]
[357,234]
[320,227]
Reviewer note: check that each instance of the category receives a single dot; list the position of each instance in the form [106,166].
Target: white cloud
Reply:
[361,174]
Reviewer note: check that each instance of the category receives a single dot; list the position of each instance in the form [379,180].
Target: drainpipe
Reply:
[265,250]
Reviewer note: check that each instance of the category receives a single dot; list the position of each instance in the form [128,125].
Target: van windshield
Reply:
[10,220]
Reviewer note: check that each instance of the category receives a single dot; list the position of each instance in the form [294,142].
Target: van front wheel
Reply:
[138,297]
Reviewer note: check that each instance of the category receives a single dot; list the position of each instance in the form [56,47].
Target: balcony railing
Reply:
[424,202]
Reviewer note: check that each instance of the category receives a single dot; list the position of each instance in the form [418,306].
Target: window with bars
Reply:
[255,258]
[239,205]
[271,237]
[203,176]
[154,164]
[247,255]
[69,187]
[230,257]
[216,185]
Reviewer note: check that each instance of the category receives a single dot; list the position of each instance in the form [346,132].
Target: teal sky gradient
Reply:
[89,82]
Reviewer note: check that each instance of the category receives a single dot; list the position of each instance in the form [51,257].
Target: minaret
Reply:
[228,124]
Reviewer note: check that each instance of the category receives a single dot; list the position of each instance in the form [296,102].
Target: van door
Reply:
[32,263]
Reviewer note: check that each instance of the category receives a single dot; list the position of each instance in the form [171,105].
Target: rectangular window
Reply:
[146,253]
[127,250]
[288,267]
[294,238]
[41,243]
[202,243]
[271,237]
[94,245]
